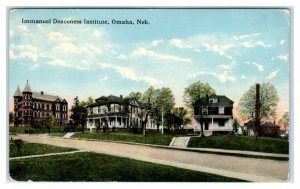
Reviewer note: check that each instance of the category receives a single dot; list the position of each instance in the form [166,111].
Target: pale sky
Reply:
[231,49]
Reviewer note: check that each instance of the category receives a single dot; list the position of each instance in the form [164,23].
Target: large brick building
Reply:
[30,107]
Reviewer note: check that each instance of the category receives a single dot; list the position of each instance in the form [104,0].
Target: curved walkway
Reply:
[250,169]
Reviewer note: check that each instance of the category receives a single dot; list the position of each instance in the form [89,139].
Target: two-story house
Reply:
[120,112]
[215,113]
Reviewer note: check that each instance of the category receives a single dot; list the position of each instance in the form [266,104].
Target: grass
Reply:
[34,149]
[32,130]
[262,144]
[58,134]
[150,138]
[89,166]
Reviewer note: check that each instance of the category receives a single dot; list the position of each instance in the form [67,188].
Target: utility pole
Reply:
[257,109]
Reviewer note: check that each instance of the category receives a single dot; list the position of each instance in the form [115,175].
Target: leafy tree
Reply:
[195,91]
[160,101]
[137,95]
[79,113]
[48,122]
[182,114]
[268,102]
[143,115]
[11,117]
[285,120]
[163,103]
[235,125]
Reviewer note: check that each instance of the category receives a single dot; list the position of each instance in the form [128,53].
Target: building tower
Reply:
[17,107]
[27,104]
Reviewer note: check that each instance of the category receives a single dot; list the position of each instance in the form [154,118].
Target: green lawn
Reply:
[262,144]
[32,130]
[34,149]
[150,138]
[99,167]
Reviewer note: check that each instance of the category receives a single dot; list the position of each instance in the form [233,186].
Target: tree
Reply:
[235,125]
[48,122]
[143,115]
[11,117]
[79,113]
[106,118]
[193,93]
[137,95]
[163,102]
[182,114]
[268,102]
[160,101]
[285,120]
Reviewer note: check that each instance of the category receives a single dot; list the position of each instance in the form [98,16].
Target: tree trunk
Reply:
[201,132]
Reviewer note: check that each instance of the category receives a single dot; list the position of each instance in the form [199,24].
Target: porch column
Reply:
[212,121]
[116,120]
[94,122]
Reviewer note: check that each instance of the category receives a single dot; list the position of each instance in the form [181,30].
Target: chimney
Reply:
[42,92]
[121,96]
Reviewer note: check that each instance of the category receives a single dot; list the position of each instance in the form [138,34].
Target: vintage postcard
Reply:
[149,95]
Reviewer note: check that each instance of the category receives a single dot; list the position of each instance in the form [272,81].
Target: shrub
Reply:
[18,144]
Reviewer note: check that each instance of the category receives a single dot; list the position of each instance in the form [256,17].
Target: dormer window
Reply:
[213,100]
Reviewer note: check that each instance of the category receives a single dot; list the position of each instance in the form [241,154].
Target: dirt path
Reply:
[251,169]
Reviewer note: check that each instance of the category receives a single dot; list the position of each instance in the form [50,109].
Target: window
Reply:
[221,109]
[117,107]
[221,123]
[213,100]
[95,110]
[46,106]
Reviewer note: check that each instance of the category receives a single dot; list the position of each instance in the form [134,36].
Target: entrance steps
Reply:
[68,135]
[180,142]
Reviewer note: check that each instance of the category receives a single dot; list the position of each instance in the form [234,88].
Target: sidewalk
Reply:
[44,155]
[250,169]
[205,150]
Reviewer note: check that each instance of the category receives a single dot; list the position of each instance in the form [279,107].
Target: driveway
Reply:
[251,169]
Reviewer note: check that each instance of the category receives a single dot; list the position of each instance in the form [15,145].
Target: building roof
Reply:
[222,101]
[27,88]
[111,99]
[269,124]
[47,97]
[18,92]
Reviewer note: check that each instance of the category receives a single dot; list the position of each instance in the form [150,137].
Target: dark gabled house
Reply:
[215,112]
[30,107]
[120,112]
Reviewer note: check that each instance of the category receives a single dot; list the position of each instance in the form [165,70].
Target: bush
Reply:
[18,144]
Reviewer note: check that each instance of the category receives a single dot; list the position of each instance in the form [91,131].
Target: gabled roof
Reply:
[222,101]
[43,96]
[27,88]
[18,93]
